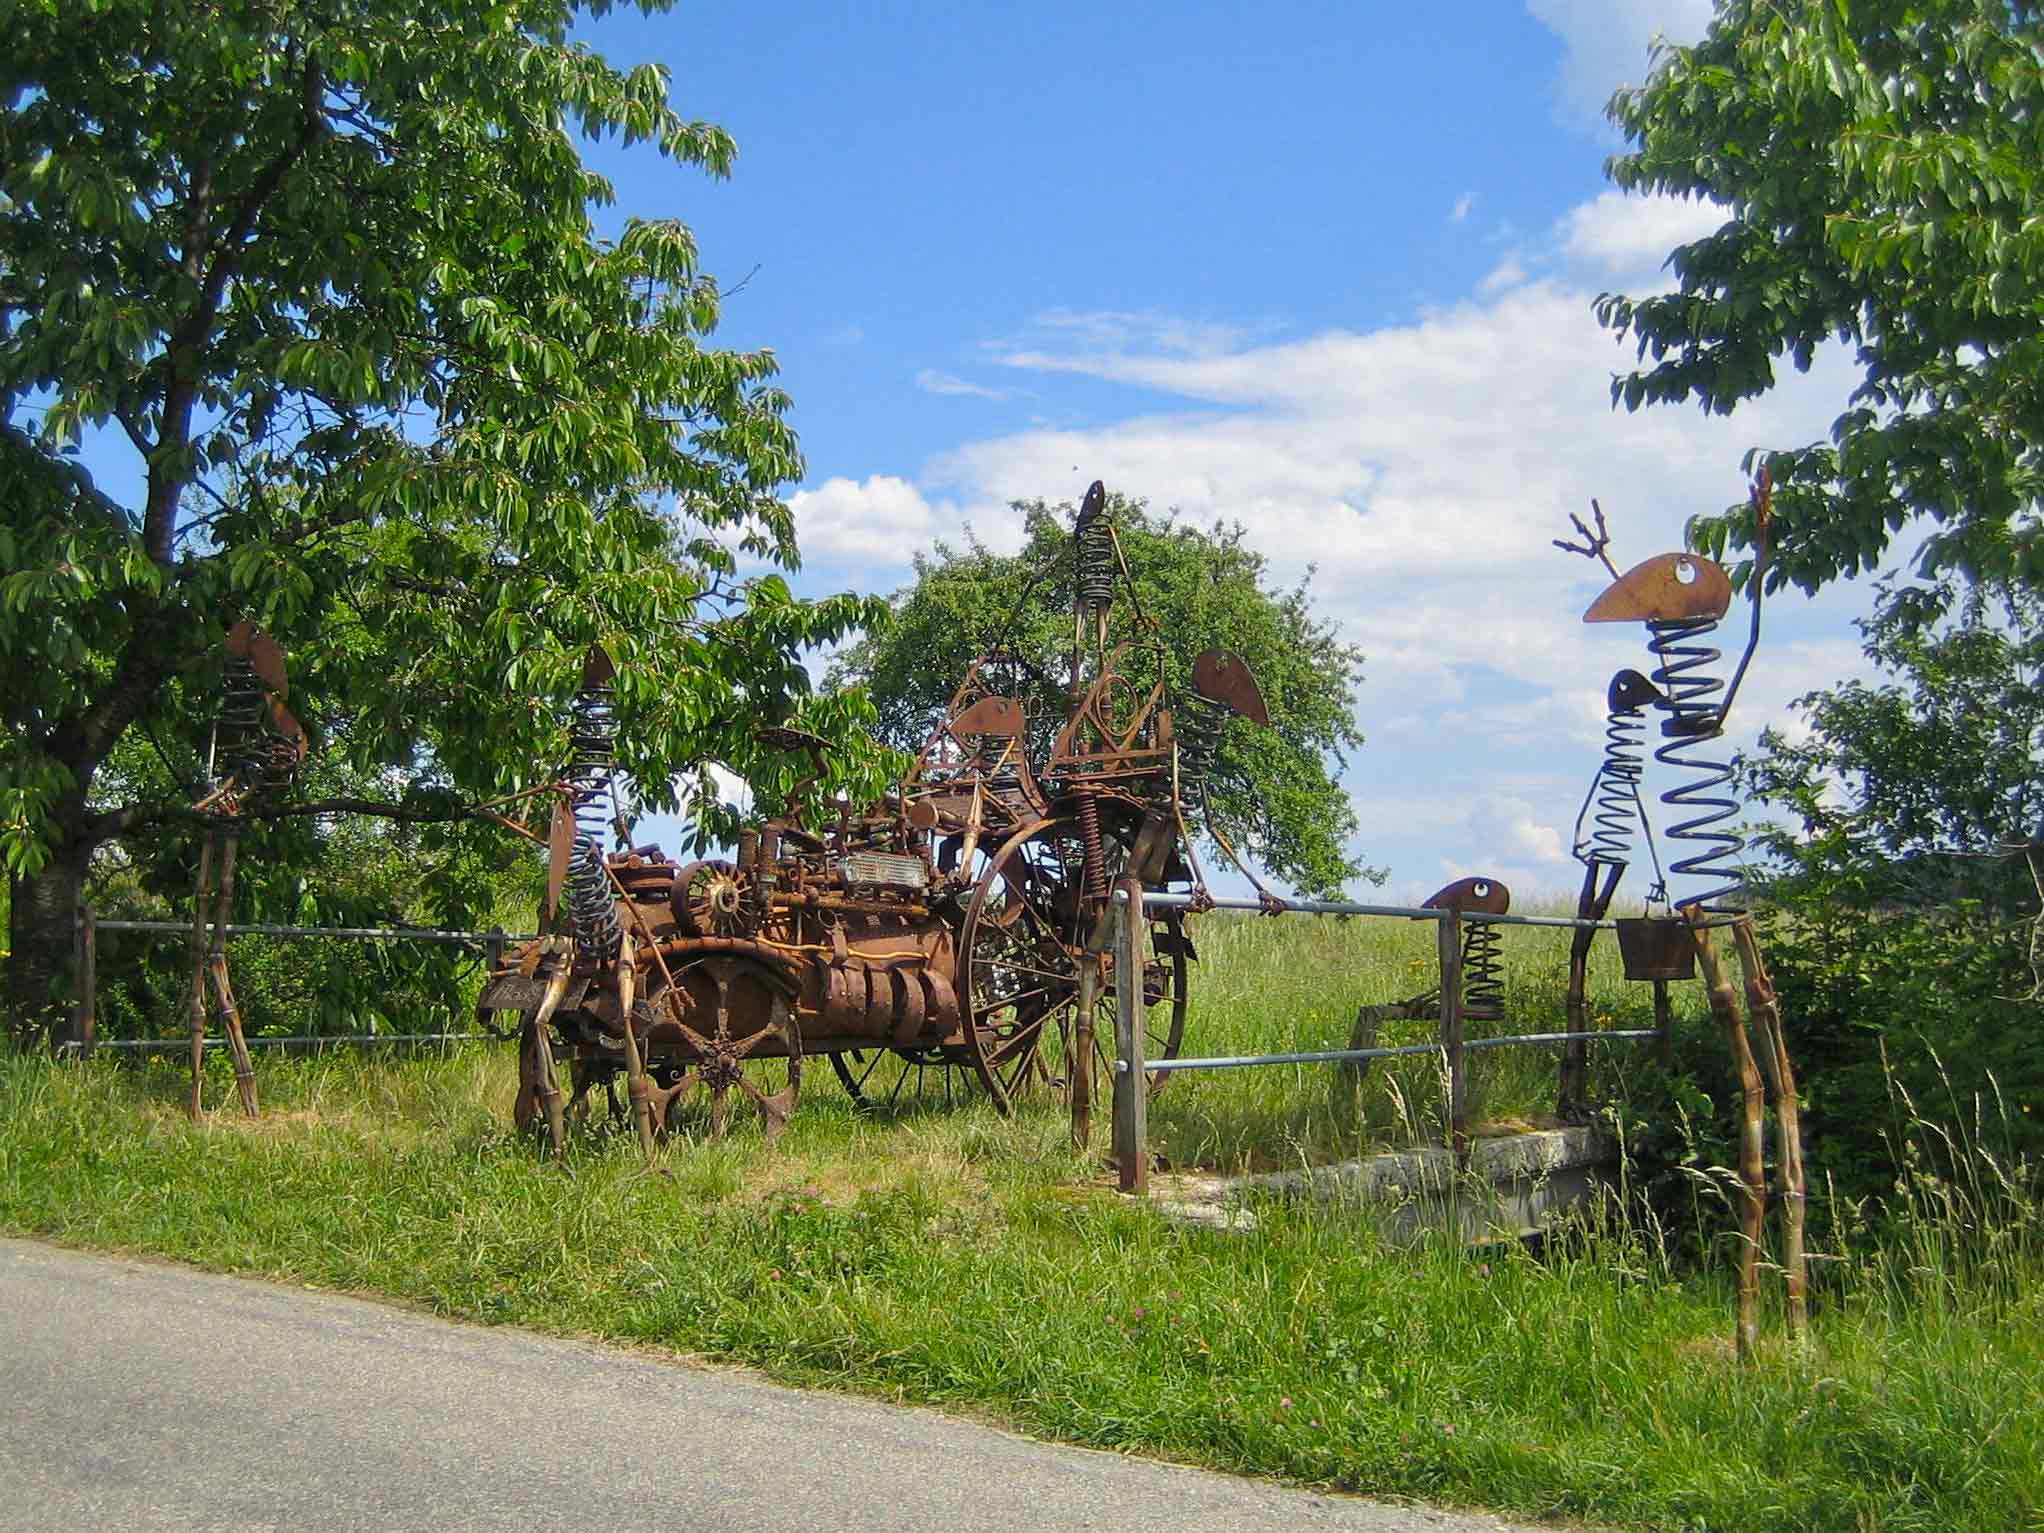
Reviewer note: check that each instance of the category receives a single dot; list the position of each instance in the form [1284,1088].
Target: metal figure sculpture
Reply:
[260,746]
[958,926]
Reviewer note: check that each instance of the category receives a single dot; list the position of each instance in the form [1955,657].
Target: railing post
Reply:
[85,1021]
[1131,1083]
[1450,942]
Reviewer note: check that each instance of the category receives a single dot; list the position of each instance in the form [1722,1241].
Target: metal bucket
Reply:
[1657,948]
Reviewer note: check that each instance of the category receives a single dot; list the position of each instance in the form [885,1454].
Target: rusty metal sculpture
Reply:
[1681,598]
[261,746]
[957,926]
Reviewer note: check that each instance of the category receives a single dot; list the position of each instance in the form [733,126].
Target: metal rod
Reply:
[357,933]
[1155,901]
[1337,1056]
[339,1040]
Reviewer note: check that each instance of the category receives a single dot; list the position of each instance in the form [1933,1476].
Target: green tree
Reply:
[1274,794]
[1882,164]
[331,271]
[1905,899]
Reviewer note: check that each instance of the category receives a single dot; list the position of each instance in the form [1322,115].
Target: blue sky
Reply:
[1323,268]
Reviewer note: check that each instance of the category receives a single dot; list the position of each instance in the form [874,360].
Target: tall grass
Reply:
[958,1258]
[1295,983]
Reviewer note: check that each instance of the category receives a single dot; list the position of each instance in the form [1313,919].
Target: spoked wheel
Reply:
[720,1026]
[1020,952]
[902,1080]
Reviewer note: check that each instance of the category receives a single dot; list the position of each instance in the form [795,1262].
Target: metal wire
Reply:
[1694,718]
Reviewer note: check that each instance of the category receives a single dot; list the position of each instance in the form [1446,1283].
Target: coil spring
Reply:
[1093,548]
[1692,721]
[241,721]
[1201,723]
[1483,972]
[592,737]
[1096,849]
[1613,806]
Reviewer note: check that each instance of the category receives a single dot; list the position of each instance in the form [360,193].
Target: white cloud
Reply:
[1620,236]
[930,381]
[1421,471]
[1607,41]
[879,520]
[1462,206]
[1509,272]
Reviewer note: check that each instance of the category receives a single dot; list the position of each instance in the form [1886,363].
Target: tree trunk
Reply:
[41,916]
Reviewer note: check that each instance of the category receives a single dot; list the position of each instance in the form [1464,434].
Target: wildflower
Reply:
[774,1275]
[1483,1270]
[1448,1427]
[1138,1313]
[1284,1402]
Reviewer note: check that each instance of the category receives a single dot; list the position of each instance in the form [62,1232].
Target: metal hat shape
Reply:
[1484,895]
[1663,588]
[598,669]
[1224,677]
[245,641]
[1095,501]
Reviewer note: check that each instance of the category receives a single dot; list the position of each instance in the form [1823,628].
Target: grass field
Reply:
[955,1258]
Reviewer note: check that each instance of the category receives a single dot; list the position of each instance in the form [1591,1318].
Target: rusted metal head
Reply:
[990,716]
[247,642]
[1630,690]
[1665,587]
[783,737]
[1095,501]
[598,669]
[1485,896]
[1224,677]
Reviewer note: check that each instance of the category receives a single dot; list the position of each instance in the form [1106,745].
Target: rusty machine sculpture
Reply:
[957,926]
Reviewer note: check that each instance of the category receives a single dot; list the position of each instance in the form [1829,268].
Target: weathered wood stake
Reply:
[1724,1006]
[1131,1087]
[1765,1010]
[1450,943]
[85,1022]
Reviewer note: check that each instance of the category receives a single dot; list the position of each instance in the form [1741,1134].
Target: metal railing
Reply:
[1132,1068]
[84,1039]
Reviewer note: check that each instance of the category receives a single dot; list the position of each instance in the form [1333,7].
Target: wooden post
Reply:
[216,962]
[493,950]
[1079,1066]
[1664,1020]
[1131,1087]
[1450,943]
[202,900]
[85,1022]
[1765,1009]
[1752,1174]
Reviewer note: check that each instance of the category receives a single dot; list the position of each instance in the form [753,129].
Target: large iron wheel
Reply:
[1019,957]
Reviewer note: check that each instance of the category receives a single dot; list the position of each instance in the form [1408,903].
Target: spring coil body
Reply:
[1613,810]
[592,746]
[1093,550]
[1096,848]
[1201,722]
[254,753]
[1483,972]
[1693,721]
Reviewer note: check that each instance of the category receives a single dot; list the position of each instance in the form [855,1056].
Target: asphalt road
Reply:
[138,1396]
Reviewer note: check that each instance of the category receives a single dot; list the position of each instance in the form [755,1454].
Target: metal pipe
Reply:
[1345,908]
[1337,1056]
[339,1040]
[357,933]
